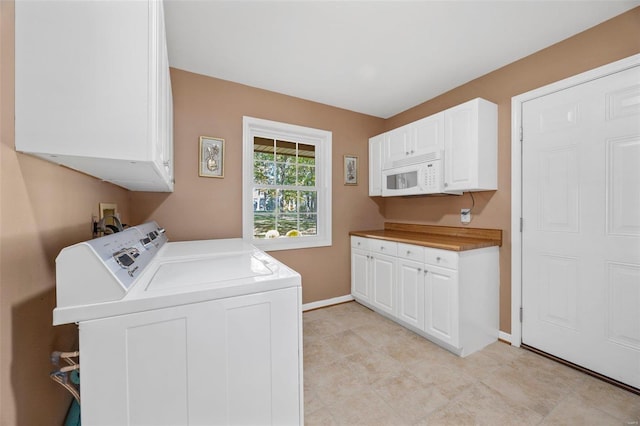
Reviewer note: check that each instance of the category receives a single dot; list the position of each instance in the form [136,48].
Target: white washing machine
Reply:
[182,333]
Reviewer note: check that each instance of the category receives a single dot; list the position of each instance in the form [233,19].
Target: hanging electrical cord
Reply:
[473,202]
[67,376]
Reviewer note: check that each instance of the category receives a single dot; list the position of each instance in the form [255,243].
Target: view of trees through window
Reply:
[284,192]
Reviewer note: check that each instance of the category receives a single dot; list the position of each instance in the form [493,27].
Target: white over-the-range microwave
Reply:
[418,175]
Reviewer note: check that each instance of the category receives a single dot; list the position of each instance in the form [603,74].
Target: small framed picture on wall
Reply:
[350,170]
[211,158]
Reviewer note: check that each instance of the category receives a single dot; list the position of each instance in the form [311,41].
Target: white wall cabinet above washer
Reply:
[93,91]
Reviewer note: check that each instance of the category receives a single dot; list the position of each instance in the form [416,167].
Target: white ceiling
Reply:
[375,57]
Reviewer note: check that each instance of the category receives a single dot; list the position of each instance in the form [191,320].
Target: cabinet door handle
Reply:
[381,247]
[419,270]
[408,252]
[438,258]
[425,272]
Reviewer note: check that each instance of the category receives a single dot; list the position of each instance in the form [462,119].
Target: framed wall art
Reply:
[350,170]
[211,158]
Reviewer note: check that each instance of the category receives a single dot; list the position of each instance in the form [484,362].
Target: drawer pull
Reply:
[408,252]
[438,258]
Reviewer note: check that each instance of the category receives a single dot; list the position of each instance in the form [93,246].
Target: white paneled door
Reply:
[581,225]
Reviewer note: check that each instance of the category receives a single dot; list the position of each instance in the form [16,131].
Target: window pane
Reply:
[263,172]
[308,201]
[308,224]
[264,200]
[288,201]
[306,154]
[286,151]
[263,222]
[263,146]
[287,222]
[285,174]
[306,176]
[263,156]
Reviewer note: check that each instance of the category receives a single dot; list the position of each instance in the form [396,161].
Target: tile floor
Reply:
[362,369]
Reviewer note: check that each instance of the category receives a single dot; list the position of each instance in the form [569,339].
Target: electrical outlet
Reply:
[465,215]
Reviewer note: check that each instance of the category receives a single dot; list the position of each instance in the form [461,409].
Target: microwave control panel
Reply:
[432,176]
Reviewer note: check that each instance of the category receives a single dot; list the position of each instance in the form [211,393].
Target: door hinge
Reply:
[521,224]
[520,313]
[521,134]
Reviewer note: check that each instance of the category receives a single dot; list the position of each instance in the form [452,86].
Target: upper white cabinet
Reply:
[468,136]
[375,165]
[471,146]
[397,145]
[428,133]
[93,91]
[404,144]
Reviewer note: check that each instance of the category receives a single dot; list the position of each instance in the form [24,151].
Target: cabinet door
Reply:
[428,134]
[397,144]
[441,304]
[228,361]
[164,140]
[360,274]
[460,147]
[410,284]
[375,165]
[383,273]
[471,146]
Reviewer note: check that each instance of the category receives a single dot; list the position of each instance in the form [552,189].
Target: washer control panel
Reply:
[127,253]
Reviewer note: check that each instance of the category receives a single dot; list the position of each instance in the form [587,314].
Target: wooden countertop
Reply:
[441,237]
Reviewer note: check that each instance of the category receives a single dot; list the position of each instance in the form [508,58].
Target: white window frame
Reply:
[321,139]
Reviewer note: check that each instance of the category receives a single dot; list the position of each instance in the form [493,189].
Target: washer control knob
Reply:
[160,230]
[146,242]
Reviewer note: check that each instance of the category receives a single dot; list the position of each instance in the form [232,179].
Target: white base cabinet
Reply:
[233,361]
[451,298]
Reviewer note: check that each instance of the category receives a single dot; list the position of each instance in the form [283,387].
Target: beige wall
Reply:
[608,42]
[43,208]
[211,207]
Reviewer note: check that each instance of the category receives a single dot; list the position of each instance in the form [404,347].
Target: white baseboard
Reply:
[348,298]
[327,302]
[504,336]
